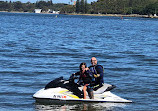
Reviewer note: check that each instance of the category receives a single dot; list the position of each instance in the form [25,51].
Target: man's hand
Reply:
[96,75]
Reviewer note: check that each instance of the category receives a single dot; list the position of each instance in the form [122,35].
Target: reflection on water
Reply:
[80,107]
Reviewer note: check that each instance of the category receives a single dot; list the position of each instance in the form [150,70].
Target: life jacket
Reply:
[98,81]
[93,69]
[85,77]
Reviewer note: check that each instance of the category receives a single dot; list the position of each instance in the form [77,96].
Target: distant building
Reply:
[52,11]
[49,11]
[38,10]
[56,12]
[155,15]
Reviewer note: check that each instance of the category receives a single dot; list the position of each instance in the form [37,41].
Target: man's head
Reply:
[93,61]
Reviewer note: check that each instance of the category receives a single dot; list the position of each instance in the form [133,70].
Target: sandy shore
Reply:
[116,15]
[14,12]
[26,12]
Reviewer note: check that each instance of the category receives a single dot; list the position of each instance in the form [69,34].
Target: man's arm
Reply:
[99,71]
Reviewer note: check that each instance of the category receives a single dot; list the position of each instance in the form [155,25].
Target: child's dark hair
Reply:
[83,63]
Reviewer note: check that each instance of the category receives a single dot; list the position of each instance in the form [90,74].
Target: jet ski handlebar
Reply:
[73,77]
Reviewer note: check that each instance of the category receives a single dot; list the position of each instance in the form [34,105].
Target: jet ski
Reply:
[62,90]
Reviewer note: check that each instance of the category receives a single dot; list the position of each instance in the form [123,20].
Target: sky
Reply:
[54,1]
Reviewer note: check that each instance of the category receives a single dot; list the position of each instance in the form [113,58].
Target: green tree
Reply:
[18,6]
[4,6]
[77,6]
[151,8]
[68,9]
[86,7]
[82,7]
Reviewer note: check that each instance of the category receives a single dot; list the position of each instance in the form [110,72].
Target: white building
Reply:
[56,12]
[37,10]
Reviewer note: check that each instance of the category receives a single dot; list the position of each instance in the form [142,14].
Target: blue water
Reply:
[36,48]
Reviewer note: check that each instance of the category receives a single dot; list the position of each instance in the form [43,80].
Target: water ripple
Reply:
[36,48]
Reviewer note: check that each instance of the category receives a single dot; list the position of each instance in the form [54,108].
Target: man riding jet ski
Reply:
[67,90]
[89,80]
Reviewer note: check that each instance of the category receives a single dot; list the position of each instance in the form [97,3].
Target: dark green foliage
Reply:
[29,7]
[86,7]
[18,6]
[4,6]
[77,6]
[68,9]
[151,9]
[81,6]
[123,6]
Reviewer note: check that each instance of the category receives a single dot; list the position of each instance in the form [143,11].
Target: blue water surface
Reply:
[37,48]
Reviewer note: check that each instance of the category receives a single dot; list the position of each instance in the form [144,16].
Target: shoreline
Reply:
[116,15]
[29,12]
[110,15]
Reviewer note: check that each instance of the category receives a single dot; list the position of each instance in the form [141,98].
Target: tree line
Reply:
[81,6]
[29,7]
[125,6]
[118,7]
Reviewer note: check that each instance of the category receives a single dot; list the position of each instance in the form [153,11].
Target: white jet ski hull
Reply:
[63,95]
